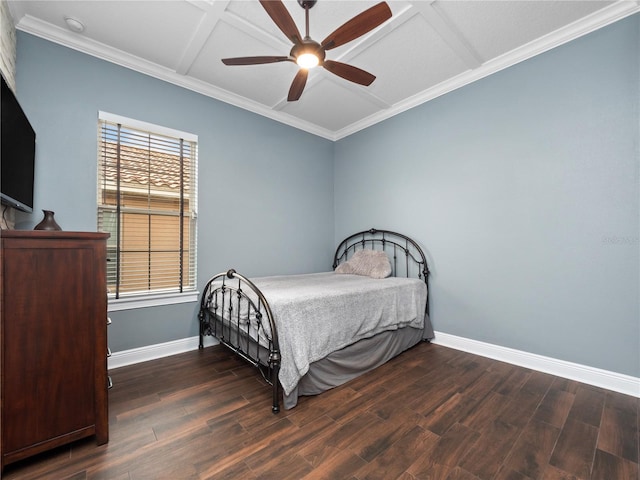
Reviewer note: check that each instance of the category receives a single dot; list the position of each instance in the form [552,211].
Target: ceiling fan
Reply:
[308,53]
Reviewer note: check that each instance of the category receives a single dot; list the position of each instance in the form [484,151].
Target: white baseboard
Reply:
[617,382]
[160,350]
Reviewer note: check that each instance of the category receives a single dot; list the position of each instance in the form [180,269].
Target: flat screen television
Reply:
[17,153]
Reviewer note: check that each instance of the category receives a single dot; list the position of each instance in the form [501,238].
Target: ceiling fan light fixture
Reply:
[308,53]
[308,60]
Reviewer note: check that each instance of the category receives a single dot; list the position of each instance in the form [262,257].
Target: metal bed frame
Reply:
[231,303]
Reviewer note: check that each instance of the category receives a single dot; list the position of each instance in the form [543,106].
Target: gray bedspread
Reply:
[317,314]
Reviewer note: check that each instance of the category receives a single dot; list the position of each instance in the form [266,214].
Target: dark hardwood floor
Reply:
[432,413]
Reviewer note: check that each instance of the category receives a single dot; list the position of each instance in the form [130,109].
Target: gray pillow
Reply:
[369,263]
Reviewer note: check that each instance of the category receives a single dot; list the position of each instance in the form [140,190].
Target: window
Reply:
[147,202]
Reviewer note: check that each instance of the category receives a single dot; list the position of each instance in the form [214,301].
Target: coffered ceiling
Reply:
[426,49]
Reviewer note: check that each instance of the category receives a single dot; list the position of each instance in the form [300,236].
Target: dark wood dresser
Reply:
[53,336]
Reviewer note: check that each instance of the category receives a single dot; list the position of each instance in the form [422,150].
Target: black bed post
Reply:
[274,360]
[202,314]
[200,320]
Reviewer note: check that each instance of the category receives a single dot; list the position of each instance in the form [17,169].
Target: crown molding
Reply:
[588,24]
[52,33]
[602,18]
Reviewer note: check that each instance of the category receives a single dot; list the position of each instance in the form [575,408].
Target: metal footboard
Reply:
[234,310]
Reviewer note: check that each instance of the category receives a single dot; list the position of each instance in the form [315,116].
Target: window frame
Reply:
[133,300]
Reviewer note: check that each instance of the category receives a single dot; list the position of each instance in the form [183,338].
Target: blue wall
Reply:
[523,189]
[258,179]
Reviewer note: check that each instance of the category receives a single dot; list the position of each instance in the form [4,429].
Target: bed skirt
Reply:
[352,361]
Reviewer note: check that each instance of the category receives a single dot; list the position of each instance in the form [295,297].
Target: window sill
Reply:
[151,300]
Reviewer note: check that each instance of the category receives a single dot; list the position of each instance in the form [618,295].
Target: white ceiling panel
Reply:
[431,61]
[265,84]
[497,27]
[328,95]
[253,14]
[425,49]
[139,28]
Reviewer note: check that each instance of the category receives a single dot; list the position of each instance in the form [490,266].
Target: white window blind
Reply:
[147,201]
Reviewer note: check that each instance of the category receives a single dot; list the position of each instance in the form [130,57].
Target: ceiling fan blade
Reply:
[297,86]
[358,25]
[282,18]
[349,72]
[254,60]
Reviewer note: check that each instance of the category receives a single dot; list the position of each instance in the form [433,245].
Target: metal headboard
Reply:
[406,256]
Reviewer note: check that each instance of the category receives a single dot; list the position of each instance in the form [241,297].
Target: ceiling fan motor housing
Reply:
[308,46]
[307,3]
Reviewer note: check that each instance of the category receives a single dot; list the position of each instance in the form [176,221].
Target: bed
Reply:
[308,333]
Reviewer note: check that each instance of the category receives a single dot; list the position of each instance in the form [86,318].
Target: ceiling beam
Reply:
[450,34]
[212,14]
